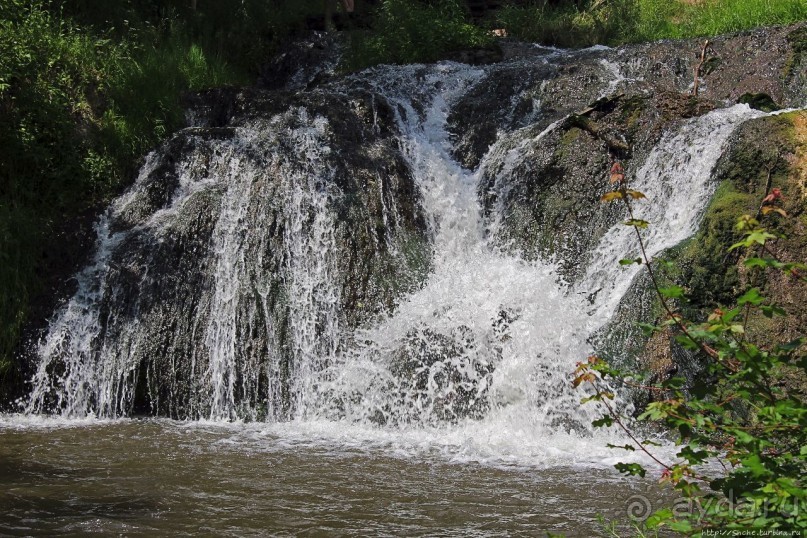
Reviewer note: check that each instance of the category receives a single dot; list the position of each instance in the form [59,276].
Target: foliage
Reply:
[78,108]
[50,76]
[738,414]
[616,22]
[410,31]
[239,33]
[567,25]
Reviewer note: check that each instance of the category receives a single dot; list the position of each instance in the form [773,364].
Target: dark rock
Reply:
[548,203]
[302,64]
[759,101]
[159,284]
[535,86]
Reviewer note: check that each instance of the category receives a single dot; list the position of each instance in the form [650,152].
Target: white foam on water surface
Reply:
[508,332]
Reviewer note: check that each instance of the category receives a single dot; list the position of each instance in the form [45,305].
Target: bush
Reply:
[52,78]
[739,413]
[412,32]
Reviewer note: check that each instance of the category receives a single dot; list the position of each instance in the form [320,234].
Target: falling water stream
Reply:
[486,438]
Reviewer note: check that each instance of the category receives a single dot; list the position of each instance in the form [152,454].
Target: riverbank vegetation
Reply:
[740,400]
[86,89]
[616,22]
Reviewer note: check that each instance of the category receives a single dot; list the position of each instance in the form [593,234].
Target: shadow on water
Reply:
[49,499]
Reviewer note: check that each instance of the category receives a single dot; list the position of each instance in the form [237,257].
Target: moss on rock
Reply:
[765,153]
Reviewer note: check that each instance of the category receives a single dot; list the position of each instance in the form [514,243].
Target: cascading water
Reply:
[675,179]
[476,361]
[234,346]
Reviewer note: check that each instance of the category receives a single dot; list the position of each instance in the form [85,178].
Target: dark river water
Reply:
[163,478]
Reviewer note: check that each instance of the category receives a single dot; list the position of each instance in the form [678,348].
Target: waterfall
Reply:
[477,359]
[91,359]
[675,180]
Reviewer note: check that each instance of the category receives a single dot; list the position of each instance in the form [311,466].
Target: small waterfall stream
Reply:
[475,362]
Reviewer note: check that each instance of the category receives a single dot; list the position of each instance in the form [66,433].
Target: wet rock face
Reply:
[302,64]
[541,189]
[286,217]
[501,101]
[763,154]
[262,233]
[535,86]
[795,68]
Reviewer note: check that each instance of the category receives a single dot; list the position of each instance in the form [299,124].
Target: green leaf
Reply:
[629,261]
[639,223]
[631,469]
[676,382]
[752,296]
[659,518]
[793,345]
[762,263]
[682,526]
[630,448]
[604,421]
[754,465]
[672,292]
[693,455]
[648,328]
[770,311]
[756,237]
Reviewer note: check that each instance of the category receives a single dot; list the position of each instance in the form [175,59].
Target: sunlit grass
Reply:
[661,19]
[626,21]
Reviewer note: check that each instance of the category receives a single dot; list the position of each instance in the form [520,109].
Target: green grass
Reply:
[625,21]
[661,19]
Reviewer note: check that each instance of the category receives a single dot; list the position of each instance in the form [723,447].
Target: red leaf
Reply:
[775,194]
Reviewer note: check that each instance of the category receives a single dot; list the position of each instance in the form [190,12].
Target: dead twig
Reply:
[704,50]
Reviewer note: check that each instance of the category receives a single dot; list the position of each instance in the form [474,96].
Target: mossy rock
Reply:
[794,72]
[759,101]
[549,202]
[764,154]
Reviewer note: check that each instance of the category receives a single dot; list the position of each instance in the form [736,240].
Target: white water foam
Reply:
[511,331]
[535,415]
[676,181]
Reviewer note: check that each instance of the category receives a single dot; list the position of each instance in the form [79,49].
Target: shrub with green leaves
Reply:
[738,415]
[52,78]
